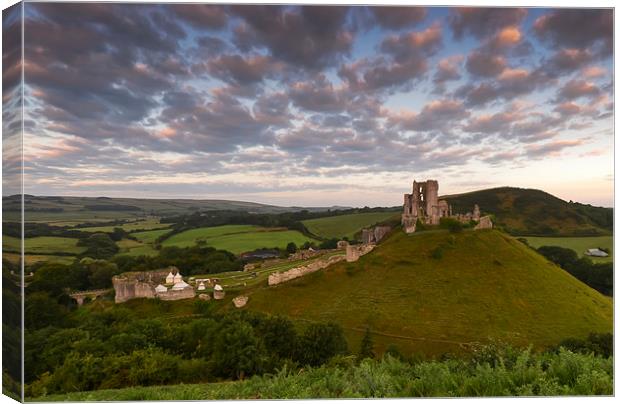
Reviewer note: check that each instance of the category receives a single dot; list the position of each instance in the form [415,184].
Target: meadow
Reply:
[577,244]
[345,225]
[438,292]
[147,224]
[237,238]
[43,245]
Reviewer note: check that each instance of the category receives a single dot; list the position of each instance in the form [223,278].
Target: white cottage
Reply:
[178,278]
[170,278]
[161,289]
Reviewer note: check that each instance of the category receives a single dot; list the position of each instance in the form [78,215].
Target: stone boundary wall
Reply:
[354,252]
[293,273]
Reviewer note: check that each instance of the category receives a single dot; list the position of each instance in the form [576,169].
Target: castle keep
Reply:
[424,204]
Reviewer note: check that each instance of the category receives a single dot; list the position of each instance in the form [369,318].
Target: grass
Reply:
[237,238]
[147,224]
[135,248]
[562,373]
[43,245]
[577,244]
[344,225]
[535,213]
[33,259]
[487,285]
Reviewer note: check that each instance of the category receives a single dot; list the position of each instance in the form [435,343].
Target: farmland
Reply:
[147,224]
[577,244]
[237,238]
[43,245]
[345,225]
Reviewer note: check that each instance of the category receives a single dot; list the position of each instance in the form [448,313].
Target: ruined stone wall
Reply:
[484,223]
[186,293]
[280,277]
[124,289]
[380,232]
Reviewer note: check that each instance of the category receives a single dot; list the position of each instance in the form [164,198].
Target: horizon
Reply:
[223,102]
[303,206]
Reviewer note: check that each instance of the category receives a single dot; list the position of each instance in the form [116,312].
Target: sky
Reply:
[316,106]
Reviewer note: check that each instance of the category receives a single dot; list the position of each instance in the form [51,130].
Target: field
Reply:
[147,224]
[482,285]
[33,259]
[578,244]
[43,245]
[237,238]
[345,225]
[68,210]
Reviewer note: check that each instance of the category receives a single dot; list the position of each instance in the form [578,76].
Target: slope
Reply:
[479,286]
[346,225]
[534,212]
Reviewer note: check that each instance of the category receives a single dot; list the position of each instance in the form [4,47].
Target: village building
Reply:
[218,292]
[595,252]
[151,285]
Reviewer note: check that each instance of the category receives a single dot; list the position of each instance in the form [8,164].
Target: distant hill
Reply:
[59,208]
[434,292]
[533,212]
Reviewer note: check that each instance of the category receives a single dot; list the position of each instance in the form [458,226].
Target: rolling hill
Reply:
[535,213]
[346,225]
[436,292]
[62,209]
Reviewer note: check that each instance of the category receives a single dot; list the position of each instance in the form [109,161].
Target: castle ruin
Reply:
[165,284]
[423,204]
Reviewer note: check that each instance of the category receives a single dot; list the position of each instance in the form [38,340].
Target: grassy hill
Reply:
[237,238]
[435,292]
[345,225]
[534,212]
[68,210]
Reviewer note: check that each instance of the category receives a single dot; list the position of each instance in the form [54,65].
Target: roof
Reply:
[218,287]
[596,252]
[161,288]
[180,285]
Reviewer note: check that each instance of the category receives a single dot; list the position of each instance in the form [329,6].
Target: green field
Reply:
[43,245]
[237,238]
[578,244]
[345,225]
[486,285]
[148,224]
[33,259]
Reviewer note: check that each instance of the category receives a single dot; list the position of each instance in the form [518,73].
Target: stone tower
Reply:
[422,203]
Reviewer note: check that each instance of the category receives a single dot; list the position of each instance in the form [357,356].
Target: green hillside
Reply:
[345,225]
[534,212]
[237,238]
[435,292]
[70,210]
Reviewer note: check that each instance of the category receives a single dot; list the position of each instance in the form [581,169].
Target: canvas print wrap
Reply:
[227,201]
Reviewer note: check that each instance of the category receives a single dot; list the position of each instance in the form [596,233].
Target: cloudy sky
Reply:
[316,105]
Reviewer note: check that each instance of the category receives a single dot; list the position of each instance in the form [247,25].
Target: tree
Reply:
[237,352]
[98,245]
[291,248]
[101,272]
[42,310]
[320,342]
[367,348]
[279,336]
